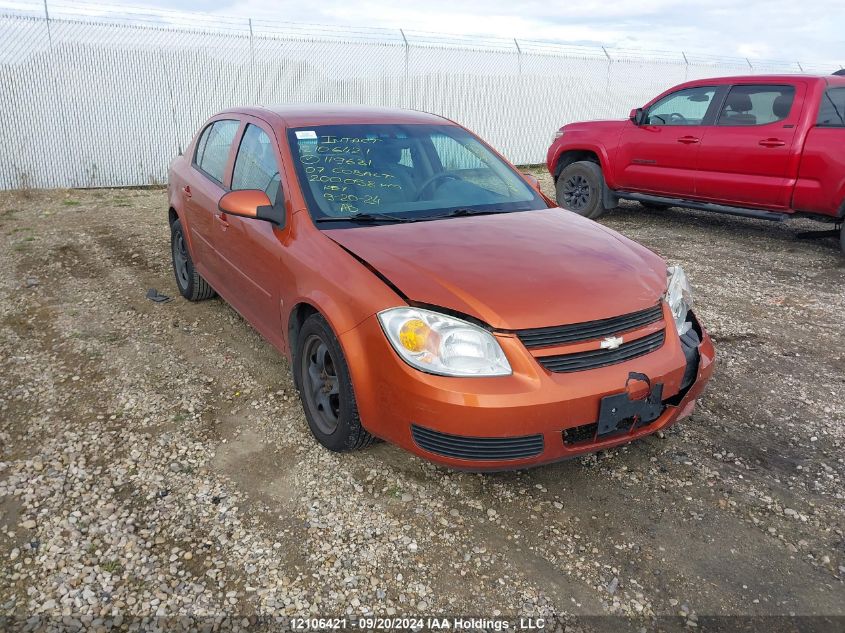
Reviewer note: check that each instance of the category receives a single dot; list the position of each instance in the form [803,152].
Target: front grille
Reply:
[547,336]
[580,434]
[481,448]
[592,359]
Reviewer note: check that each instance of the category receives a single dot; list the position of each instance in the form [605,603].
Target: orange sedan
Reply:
[426,292]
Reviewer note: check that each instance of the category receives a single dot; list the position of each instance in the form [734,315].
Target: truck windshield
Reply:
[403,172]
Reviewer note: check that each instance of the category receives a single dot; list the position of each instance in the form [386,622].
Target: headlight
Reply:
[440,344]
[679,297]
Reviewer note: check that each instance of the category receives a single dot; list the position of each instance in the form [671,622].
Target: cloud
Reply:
[773,29]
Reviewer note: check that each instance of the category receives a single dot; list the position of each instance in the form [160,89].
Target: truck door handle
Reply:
[187,191]
[221,218]
[772,142]
[689,140]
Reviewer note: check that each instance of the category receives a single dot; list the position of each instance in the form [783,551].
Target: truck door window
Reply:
[684,107]
[832,110]
[756,105]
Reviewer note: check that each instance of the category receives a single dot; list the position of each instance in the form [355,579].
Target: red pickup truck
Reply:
[769,147]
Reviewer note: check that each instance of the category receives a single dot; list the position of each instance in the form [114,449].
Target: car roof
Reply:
[315,114]
[761,79]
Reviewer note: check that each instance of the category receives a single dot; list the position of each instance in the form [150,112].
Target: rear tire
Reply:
[190,283]
[580,189]
[325,388]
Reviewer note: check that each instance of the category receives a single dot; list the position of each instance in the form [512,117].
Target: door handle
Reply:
[187,191]
[221,218]
[772,142]
[689,140]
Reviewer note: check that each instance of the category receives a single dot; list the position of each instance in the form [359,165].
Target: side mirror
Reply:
[636,116]
[251,203]
[533,181]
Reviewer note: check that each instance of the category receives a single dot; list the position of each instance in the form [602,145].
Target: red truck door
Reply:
[661,155]
[745,157]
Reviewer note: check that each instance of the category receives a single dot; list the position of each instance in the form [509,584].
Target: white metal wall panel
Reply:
[93,102]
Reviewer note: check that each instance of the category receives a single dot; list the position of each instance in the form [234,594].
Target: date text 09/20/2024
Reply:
[417,624]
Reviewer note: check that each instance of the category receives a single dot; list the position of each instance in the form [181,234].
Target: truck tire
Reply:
[580,189]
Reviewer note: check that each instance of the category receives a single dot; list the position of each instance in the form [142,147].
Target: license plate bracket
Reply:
[619,413]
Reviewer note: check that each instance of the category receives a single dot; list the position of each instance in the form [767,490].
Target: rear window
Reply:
[832,110]
[213,148]
[756,105]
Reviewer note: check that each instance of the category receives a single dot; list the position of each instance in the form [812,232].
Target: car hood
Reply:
[513,270]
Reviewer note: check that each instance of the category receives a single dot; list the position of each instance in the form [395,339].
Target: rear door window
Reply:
[756,105]
[212,152]
[832,110]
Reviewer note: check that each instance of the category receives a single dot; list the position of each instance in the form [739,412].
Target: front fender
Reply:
[577,141]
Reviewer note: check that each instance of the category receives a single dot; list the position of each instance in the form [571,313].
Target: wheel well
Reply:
[297,319]
[171,216]
[573,156]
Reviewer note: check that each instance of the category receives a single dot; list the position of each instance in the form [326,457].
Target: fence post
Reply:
[686,66]
[406,99]
[518,56]
[407,54]
[800,67]
[748,61]
[252,70]
[609,62]
[47,18]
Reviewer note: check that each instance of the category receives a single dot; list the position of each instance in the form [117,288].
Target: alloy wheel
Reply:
[576,192]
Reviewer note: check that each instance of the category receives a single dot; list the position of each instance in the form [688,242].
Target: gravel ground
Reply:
[155,459]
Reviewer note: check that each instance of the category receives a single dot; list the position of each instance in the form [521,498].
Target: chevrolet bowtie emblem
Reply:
[611,342]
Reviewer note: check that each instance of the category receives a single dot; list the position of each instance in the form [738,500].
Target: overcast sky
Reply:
[811,31]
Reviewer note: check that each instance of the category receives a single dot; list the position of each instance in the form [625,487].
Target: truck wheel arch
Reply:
[570,156]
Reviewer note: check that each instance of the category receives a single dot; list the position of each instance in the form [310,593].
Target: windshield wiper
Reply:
[455,213]
[366,218]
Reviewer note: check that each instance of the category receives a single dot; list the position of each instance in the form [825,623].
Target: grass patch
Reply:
[71,203]
[112,566]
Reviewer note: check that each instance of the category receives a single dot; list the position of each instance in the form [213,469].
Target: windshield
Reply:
[403,172]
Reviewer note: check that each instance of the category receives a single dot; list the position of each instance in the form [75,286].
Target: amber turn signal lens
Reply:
[413,335]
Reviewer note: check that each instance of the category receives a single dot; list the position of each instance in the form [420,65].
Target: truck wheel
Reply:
[579,189]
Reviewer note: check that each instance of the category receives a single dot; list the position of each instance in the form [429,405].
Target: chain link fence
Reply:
[94,98]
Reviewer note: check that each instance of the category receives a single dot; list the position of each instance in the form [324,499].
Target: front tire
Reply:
[190,283]
[580,188]
[326,389]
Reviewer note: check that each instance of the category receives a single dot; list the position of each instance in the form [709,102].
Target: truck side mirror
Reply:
[636,116]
